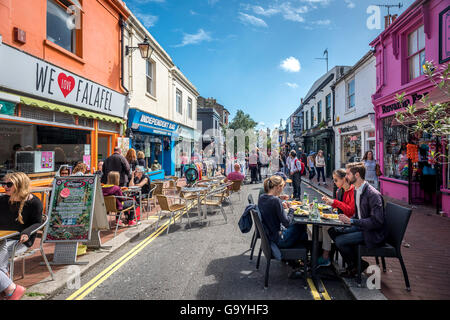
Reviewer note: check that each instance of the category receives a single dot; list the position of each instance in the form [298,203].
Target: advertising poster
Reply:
[71,209]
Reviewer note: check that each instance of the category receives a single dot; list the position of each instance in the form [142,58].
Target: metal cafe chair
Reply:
[255,236]
[171,208]
[30,252]
[397,218]
[215,199]
[286,254]
[150,197]
[112,210]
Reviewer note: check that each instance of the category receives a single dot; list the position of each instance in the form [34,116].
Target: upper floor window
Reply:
[319,111]
[63,27]
[416,52]
[351,94]
[328,106]
[312,117]
[306,119]
[149,74]
[190,108]
[179,102]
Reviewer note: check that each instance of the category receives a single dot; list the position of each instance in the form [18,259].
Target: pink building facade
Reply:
[421,33]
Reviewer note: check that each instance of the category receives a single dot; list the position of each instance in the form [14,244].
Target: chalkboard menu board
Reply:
[71,209]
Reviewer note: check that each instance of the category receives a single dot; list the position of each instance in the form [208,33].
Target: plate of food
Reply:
[301,212]
[330,216]
[295,203]
[322,206]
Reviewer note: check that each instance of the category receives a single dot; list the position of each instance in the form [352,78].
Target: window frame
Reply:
[180,109]
[151,77]
[312,116]
[189,103]
[328,107]
[349,96]
[410,57]
[77,34]
[307,119]
[319,111]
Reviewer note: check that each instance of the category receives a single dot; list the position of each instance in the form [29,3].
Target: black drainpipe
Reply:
[122,27]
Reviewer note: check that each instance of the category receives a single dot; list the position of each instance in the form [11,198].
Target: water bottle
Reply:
[315,211]
[305,198]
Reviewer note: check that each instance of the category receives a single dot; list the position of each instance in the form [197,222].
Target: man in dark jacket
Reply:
[368,227]
[117,162]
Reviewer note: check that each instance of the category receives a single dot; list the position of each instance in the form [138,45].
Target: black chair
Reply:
[397,218]
[286,254]
[255,236]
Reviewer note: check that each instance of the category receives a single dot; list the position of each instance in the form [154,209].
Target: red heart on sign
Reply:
[66,83]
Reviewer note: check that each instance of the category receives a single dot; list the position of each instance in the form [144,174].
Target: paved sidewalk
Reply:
[425,251]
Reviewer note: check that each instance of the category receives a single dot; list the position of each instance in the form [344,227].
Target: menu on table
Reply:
[71,209]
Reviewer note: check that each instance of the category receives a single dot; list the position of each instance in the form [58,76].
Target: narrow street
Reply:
[203,262]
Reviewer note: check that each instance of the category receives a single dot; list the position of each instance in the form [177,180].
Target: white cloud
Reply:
[192,12]
[290,64]
[265,12]
[292,85]
[147,19]
[249,19]
[289,12]
[323,22]
[350,4]
[195,38]
[212,2]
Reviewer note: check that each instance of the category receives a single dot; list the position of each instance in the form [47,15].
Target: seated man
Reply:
[236,175]
[368,225]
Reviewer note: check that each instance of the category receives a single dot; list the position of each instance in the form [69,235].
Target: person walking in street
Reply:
[320,167]
[253,166]
[368,226]
[259,164]
[117,162]
[132,158]
[20,211]
[311,165]
[295,169]
[344,202]
[371,169]
[184,161]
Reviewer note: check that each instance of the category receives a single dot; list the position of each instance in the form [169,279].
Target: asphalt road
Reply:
[203,262]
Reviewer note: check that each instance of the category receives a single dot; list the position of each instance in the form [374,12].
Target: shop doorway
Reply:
[104,147]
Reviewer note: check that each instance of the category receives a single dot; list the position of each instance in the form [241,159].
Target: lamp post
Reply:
[144,47]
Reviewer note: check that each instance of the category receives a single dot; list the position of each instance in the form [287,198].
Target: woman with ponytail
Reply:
[20,211]
[274,216]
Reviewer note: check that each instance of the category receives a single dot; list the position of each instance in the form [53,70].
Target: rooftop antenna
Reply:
[388,6]
[325,53]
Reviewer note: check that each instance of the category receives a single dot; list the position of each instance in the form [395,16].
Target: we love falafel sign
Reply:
[28,74]
[71,209]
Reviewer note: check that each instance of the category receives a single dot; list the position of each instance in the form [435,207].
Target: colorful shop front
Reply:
[50,117]
[411,170]
[155,137]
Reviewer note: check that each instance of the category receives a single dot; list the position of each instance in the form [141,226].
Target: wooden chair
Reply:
[236,187]
[171,208]
[111,208]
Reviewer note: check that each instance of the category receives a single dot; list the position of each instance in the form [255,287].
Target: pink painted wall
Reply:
[391,51]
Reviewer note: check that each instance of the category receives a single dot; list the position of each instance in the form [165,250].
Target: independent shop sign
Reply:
[24,73]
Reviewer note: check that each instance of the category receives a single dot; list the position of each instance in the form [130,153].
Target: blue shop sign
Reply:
[147,123]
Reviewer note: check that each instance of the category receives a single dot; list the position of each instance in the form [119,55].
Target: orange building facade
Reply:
[61,94]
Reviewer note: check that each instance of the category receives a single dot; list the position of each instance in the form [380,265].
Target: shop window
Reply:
[108,126]
[62,27]
[36,113]
[150,77]
[395,139]
[416,52]
[448,164]
[350,148]
[328,106]
[190,108]
[179,102]
[351,95]
[64,118]
[319,111]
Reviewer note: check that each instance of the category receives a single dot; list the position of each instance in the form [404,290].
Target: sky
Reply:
[260,55]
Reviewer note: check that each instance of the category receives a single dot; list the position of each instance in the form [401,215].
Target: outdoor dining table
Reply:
[315,242]
[5,234]
[198,191]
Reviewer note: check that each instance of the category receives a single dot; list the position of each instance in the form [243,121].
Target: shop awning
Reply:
[73,111]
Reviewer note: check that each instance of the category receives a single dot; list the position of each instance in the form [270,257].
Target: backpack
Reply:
[302,165]
[246,222]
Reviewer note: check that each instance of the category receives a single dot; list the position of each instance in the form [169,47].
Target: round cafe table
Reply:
[315,242]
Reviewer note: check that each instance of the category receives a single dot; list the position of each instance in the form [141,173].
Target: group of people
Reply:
[360,207]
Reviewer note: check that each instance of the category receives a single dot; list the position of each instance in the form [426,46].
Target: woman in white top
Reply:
[320,167]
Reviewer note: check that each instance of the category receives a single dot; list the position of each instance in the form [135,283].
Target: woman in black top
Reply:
[20,211]
[273,216]
[141,158]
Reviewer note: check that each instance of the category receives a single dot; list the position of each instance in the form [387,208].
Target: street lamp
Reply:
[144,47]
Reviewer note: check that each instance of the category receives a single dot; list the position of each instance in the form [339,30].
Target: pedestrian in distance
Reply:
[80,169]
[20,211]
[372,167]
[368,226]
[141,158]
[132,158]
[117,162]
[296,167]
[320,167]
[311,165]
[253,166]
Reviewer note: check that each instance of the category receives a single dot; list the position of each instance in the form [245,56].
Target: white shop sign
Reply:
[25,73]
